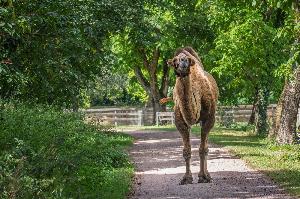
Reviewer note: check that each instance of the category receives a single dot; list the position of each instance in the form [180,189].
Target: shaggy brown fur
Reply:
[195,95]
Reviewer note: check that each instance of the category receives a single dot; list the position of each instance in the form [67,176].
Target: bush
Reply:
[46,153]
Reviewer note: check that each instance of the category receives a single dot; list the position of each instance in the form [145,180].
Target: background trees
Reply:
[75,53]
[50,51]
[288,104]
[247,54]
[145,46]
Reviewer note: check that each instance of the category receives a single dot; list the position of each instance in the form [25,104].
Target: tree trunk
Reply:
[288,110]
[157,107]
[151,85]
[252,118]
[278,112]
[261,124]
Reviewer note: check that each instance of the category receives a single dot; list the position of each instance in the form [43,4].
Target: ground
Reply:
[159,165]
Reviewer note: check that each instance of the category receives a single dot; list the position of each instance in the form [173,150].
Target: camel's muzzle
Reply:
[182,68]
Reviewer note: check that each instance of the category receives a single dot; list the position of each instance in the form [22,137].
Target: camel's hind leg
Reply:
[203,175]
[184,130]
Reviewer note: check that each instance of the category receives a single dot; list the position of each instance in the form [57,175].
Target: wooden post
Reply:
[115,117]
[157,118]
[172,119]
[140,117]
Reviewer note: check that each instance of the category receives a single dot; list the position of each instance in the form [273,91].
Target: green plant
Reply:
[46,153]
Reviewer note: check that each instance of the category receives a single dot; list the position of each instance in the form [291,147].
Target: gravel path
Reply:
[160,166]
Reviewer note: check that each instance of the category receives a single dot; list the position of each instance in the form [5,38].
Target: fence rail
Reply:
[115,116]
[165,117]
[136,116]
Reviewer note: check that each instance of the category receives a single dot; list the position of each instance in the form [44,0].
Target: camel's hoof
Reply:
[186,180]
[204,179]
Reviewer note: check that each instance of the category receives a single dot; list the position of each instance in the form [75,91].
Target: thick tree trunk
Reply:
[287,111]
[157,107]
[151,85]
[278,112]
[261,124]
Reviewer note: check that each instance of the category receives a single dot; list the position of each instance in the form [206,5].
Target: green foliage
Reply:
[252,46]
[163,25]
[247,56]
[114,90]
[50,51]
[262,126]
[46,153]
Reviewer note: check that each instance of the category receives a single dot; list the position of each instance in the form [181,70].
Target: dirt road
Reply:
[160,166]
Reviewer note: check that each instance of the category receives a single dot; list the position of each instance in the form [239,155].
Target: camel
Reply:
[195,95]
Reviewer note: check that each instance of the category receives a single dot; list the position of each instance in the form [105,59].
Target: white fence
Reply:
[165,117]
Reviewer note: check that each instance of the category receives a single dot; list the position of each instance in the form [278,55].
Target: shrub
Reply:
[47,153]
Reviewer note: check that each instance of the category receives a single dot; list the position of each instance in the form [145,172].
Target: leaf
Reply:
[278,5]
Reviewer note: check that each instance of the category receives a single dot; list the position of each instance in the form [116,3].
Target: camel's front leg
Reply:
[187,178]
[203,175]
[184,130]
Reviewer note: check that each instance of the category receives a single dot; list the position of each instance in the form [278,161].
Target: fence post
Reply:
[172,120]
[233,118]
[115,117]
[157,118]
[140,117]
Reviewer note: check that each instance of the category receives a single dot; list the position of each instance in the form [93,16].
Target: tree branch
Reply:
[144,57]
[142,79]
[155,57]
[165,79]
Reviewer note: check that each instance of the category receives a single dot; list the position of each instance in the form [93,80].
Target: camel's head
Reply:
[182,64]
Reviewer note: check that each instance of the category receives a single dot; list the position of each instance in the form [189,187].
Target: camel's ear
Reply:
[191,61]
[171,62]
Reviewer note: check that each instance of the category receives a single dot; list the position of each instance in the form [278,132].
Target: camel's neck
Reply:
[183,99]
[188,95]
[183,85]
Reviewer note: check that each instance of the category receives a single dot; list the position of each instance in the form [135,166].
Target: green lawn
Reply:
[280,163]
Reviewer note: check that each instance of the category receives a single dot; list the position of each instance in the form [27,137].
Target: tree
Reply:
[145,47]
[288,105]
[51,50]
[246,55]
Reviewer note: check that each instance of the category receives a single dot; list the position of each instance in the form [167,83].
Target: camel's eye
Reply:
[190,61]
[175,62]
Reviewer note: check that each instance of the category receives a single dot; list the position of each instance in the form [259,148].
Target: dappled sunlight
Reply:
[154,141]
[164,171]
[157,141]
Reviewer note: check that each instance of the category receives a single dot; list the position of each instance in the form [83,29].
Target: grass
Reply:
[280,162]
[46,153]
